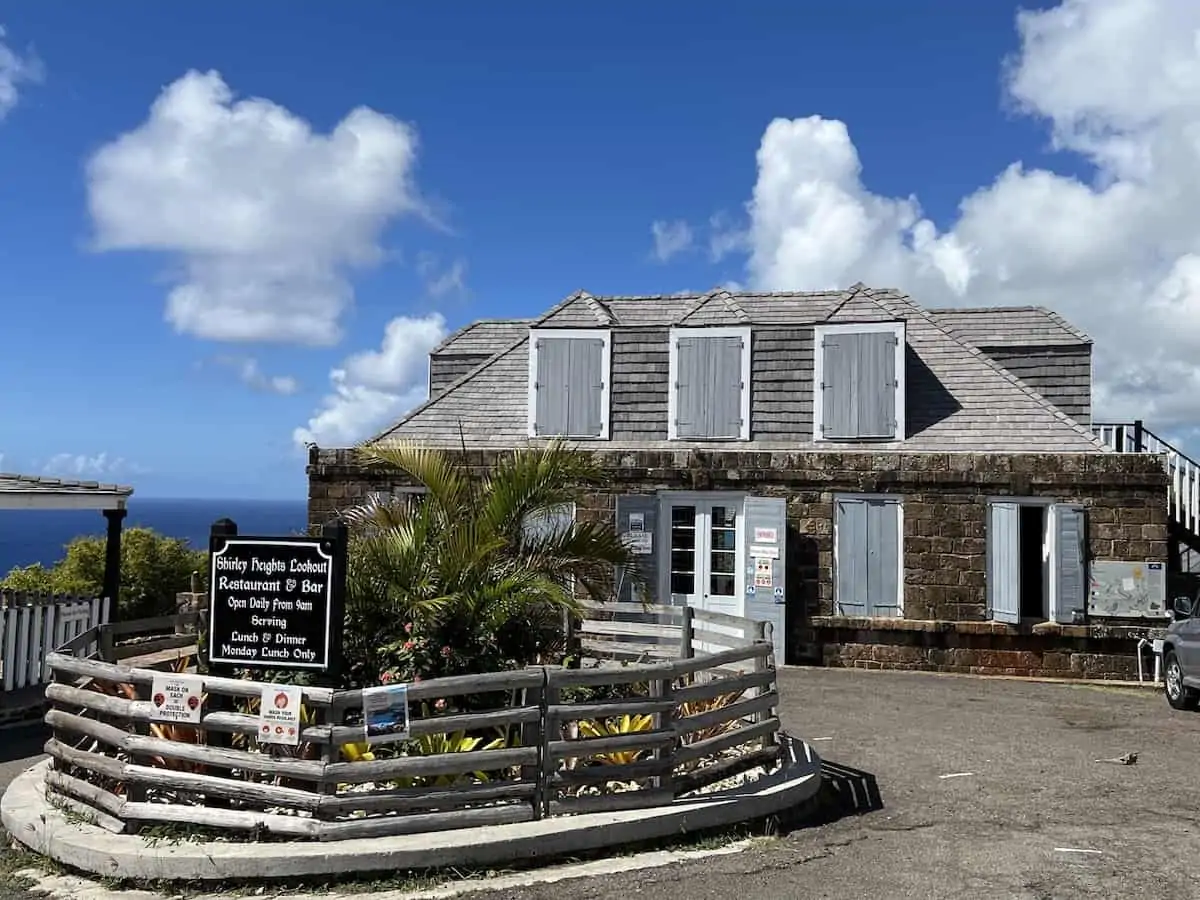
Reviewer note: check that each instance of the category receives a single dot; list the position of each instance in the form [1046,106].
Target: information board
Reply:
[274,602]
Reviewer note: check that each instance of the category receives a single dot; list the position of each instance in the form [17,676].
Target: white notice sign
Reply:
[176,698]
[766,536]
[640,543]
[279,715]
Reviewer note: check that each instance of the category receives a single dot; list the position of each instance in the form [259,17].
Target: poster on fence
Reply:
[279,715]
[176,698]
[385,713]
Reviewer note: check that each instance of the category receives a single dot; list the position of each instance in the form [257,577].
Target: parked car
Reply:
[1181,653]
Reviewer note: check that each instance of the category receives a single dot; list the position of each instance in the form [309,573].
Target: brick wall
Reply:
[944,529]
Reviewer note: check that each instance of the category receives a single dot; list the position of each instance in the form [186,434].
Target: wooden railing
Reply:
[637,632]
[482,749]
[1183,491]
[32,625]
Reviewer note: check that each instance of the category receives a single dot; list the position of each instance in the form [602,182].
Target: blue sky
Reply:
[509,154]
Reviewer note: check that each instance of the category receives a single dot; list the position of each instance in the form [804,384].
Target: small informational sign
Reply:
[385,713]
[763,573]
[640,543]
[779,595]
[176,698]
[766,536]
[761,552]
[275,602]
[637,521]
[279,714]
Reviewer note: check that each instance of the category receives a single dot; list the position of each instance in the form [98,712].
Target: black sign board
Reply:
[275,602]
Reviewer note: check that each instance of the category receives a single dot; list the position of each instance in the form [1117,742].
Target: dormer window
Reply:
[569,382]
[710,384]
[859,382]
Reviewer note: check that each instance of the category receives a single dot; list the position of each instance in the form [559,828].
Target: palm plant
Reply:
[471,569]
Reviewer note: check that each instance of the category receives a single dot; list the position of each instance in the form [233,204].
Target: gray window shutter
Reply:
[553,364]
[850,589]
[647,506]
[1004,563]
[876,384]
[548,522]
[858,385]
[764,517]
[708,387]
[883,558]
[570,386]
[838,410]
[1070,562]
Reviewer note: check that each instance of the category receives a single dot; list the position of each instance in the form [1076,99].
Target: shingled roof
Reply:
[958,398]
[1009,326]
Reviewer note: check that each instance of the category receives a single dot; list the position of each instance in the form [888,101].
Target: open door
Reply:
[1004,562]
[1067,545]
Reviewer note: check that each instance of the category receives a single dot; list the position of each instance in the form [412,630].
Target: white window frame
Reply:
[601,334]
[819,333]
[898,501]
[673,374]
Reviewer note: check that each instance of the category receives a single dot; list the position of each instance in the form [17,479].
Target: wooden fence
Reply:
[32,625]
[633,632]
[481,749]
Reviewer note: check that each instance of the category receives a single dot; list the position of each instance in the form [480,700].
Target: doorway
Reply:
[1034,569]
[704,545]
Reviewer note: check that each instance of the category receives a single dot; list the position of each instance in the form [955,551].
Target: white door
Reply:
[704,539]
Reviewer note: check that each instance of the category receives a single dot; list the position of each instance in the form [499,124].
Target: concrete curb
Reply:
[1032,679]
[30,818]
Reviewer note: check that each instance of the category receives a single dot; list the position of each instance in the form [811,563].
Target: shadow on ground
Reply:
[20,742]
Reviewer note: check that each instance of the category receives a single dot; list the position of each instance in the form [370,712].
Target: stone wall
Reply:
[944,539]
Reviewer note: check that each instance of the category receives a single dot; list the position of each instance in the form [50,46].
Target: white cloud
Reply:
[15,70]
[440,282]
[375,387]
[1117,82]
[265,217]
[80,465]
[252,375]
[671,239]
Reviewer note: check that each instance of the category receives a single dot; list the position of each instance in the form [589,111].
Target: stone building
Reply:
[891,486]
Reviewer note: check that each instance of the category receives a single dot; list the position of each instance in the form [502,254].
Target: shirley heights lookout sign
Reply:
[276,602]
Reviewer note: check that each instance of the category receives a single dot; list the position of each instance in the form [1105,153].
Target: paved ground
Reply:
[995,833]
[1035,790]
[20,747]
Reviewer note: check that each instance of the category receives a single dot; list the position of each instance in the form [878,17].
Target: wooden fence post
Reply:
[686,634]
[533,735]
[766,662]
[549,726]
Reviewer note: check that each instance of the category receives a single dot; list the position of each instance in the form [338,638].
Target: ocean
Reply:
[38,536]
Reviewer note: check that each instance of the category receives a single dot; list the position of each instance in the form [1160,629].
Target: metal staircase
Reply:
[1183,492]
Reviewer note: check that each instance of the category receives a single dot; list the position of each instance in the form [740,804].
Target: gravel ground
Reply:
[1035,795]
[1035,790]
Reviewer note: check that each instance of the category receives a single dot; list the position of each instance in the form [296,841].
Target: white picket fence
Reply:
[32,625]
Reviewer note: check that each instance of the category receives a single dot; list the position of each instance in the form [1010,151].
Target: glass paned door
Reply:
[704,537]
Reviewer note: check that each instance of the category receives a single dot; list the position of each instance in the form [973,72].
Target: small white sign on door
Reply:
[640,543]
[637,521]
[764,552]
[764,573]
[766,536]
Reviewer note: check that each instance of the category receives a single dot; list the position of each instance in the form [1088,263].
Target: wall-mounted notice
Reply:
[637,521]
[764,571]
[274,602]
[279,714]
[766,536]
[385,712]
[176,698]
[640,543]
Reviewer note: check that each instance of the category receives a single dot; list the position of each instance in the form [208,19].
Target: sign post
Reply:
[277,602]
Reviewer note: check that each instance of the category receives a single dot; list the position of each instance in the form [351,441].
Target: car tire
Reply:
[1178,694]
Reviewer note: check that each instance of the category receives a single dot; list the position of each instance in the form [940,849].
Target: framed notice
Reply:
[176,698]
[385,713]
[275,602]
[279,714]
